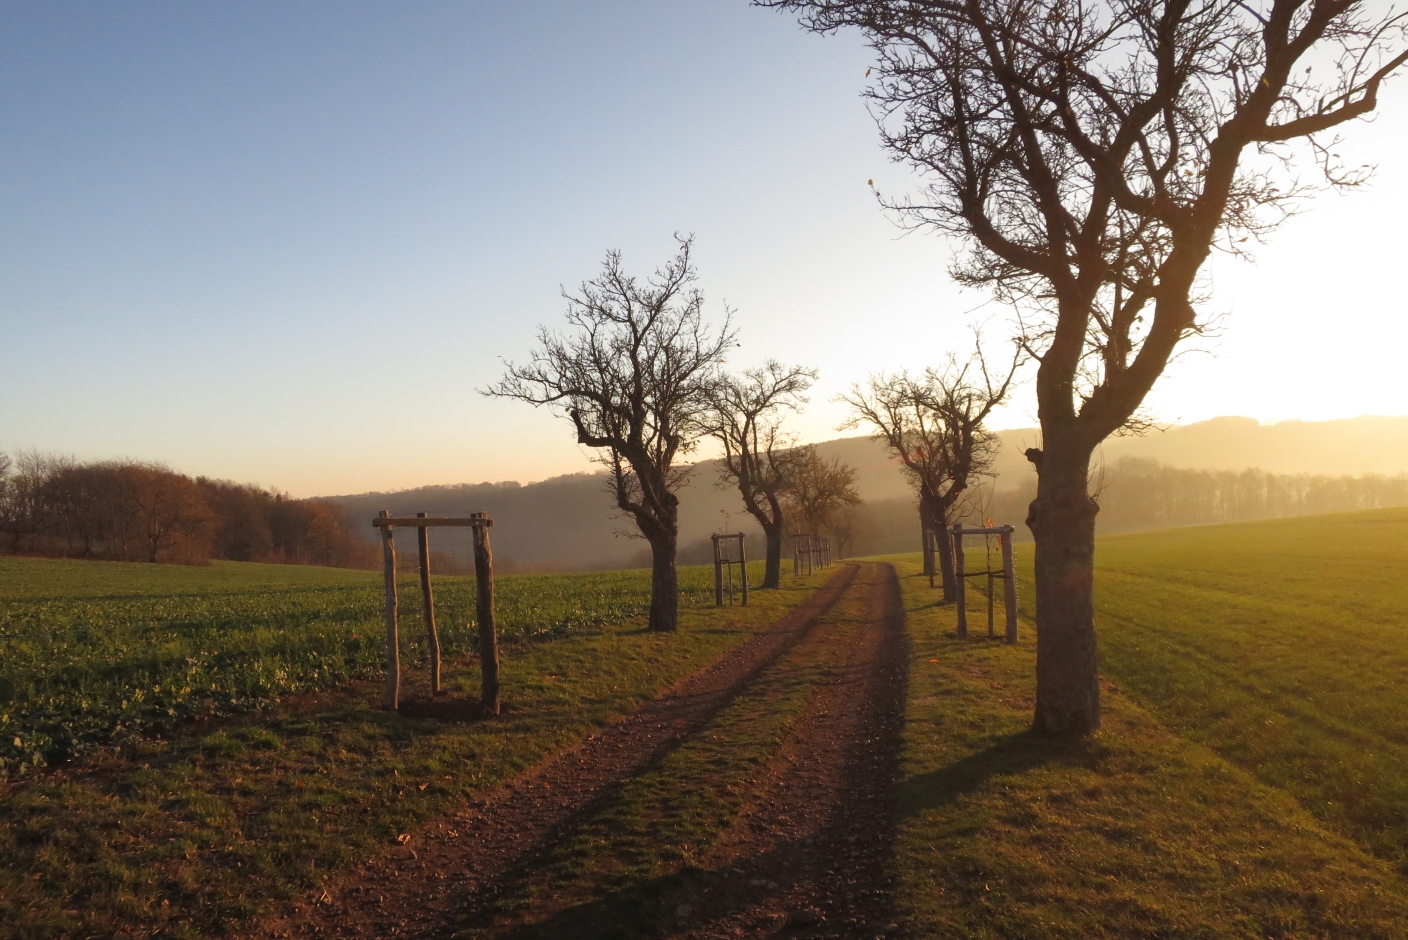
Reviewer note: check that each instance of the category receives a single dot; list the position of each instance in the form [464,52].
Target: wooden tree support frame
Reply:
[484,602]
[810,552]
[721,562]
[1009,582]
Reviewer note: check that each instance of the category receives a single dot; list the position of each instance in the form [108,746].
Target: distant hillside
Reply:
[570,522]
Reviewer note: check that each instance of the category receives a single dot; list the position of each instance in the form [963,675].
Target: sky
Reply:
[288,243]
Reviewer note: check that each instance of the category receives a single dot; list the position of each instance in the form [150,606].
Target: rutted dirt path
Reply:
[802,851]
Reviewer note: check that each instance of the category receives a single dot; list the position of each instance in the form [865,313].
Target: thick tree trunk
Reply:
[1062,520]
[664,585]
[772,572]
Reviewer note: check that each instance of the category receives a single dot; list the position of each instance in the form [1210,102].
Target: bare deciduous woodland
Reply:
[1090,158]
[634,376]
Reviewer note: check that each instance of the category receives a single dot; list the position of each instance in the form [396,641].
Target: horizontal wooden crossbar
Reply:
[995,530]
[421,522]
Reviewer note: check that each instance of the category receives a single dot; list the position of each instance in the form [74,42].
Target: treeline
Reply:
[1142,493]
[128,510]
[1138,493]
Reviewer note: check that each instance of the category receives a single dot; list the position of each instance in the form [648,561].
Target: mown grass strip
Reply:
[194,835]
[1135,833]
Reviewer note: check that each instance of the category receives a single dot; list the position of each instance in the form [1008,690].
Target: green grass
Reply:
[1283,646]
[97,652]
[194,831]
[1138,832]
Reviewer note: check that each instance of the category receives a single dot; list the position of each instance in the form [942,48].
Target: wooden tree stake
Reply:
[484,609]
[1009,585]
[391,700]
[718,573]
[743,567]
[432,635]
[962,580]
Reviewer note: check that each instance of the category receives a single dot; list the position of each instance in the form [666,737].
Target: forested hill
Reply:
[569,522]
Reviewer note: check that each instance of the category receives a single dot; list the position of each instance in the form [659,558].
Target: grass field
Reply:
[1252,777]
[200,821]
[1283,646]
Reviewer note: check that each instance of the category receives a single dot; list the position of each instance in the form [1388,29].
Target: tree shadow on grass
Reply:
[1008,756]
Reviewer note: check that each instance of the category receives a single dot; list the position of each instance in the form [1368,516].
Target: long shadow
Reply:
[701,707]
[844,859]
[1009,756]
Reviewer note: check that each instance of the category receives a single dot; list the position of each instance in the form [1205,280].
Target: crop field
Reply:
[253,759]
[95,652]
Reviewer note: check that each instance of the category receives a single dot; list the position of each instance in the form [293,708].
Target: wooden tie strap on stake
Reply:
[722,563]
[484,576]
[1009,581]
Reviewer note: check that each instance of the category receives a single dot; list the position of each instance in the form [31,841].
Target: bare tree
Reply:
[634,376]
[816,489]
[746,417]
[1091,156]
[935,425]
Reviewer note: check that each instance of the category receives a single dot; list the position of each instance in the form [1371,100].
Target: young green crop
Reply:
[95,652]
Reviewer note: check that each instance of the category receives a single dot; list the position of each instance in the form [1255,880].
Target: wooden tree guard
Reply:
[1009,581]
[801,555]
[720,562]
[809,552]
[484,576]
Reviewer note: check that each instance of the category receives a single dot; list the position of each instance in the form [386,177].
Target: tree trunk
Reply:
[1062,520]
[772,572]
[664,585]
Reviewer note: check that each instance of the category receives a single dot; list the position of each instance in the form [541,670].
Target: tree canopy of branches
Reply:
[817,489]
[633,374]
[1090,157]
[935,425]
[759,458]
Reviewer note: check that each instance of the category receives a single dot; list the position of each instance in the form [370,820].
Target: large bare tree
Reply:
[759,458]
[633,374]
[936,426]
[1091,156]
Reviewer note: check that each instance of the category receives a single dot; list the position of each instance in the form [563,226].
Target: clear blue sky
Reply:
[285,243]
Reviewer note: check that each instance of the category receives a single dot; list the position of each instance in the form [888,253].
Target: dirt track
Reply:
[805,855]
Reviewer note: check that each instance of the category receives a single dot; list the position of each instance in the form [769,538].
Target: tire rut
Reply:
[465,860]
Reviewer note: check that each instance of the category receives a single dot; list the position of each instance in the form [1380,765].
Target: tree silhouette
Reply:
[634,375]
[1091,157]
[759,459]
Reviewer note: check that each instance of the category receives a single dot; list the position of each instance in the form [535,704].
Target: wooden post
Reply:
[484,610]
[718,574]
[1009,584]
[743,566]
[992,632]
[392,699]
[432,635]
[958,575]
